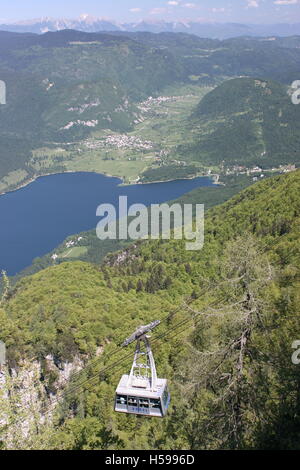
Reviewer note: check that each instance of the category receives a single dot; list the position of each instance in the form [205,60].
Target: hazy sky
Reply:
[256,11]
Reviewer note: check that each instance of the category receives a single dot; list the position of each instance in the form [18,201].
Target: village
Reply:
[69,245]
[257,171]
[120,141]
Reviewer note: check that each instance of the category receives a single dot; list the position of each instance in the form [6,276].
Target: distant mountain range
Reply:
[210,30]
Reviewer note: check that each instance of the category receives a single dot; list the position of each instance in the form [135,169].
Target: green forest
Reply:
[229,316]
[156,107]
[245,121]
[168,173]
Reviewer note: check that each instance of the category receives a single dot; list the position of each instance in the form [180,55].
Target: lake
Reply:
[37,218]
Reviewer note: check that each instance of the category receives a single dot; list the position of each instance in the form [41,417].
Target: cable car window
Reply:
[133,405]
[144,405]
[144,402]
[166,396]
[154,403]
[121,400]
[132,401]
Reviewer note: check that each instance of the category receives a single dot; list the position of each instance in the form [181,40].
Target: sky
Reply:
[241,11]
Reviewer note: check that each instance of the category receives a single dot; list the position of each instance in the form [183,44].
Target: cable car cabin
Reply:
[141,392]
[141,400]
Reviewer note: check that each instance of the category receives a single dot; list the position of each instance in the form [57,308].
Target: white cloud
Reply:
[135,10]
[286,2]
[189,5]
[252,4]
[218,10]
[182,4]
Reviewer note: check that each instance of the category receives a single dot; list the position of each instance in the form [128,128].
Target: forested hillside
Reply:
[226,349]
[247,122]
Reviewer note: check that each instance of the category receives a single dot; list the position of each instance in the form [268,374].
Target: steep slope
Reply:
[232,380]
[247,122]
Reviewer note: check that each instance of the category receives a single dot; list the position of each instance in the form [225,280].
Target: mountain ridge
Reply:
[246,122]
[93,24]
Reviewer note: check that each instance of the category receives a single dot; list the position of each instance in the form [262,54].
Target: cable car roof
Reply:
[124,389]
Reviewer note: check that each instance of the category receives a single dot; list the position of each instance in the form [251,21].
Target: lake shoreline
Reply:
[214,177]
[34,178]
[36,220]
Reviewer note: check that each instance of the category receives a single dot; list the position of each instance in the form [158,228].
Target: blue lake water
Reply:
[37,218]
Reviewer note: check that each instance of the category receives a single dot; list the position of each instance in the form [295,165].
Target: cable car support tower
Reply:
[142,392]
[143,371]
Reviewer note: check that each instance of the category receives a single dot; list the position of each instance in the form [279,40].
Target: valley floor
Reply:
[151,144]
